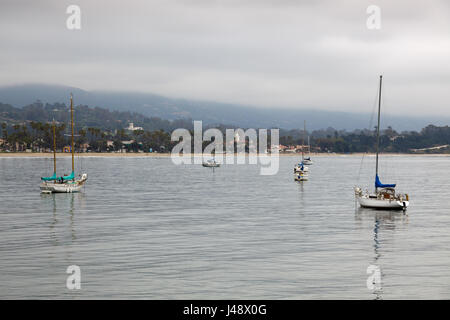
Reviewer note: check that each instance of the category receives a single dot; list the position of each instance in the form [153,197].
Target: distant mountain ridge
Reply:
[86,117]
[152,105]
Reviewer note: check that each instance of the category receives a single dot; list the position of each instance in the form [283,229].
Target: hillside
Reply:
[151,105]
[86,117]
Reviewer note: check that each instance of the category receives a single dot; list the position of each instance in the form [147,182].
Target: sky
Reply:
[267,53]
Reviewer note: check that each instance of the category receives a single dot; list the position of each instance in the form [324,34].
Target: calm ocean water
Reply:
[147,229]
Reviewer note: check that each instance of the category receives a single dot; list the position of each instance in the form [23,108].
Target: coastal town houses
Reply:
[84,147]
[293,149]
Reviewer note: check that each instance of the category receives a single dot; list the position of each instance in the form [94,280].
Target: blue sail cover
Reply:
[71,177]
[53,177]
[378,183]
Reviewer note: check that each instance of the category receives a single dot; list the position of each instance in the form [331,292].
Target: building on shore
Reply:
[131,127]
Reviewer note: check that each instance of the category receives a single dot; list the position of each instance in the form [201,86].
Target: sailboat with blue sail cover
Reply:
[301,171]
[63,184]
[385,195]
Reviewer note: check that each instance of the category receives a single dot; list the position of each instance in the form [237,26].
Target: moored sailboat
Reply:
[301,170]
[307,161]
[301,174]
[211,163]
[63,184]
[385,196]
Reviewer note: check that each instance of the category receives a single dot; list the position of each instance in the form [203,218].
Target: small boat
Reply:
[301,176]
[301,167]
[385,196]
[307,161]
[211,163]
[301,172]
[63,184]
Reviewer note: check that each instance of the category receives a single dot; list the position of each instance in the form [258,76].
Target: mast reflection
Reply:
[382,222]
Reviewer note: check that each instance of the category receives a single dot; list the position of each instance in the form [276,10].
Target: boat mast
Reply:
[71,121]
[378,128]
[54,148]
[303,137]
[309,149]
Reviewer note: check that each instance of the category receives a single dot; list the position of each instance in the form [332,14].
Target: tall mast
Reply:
[303,137]
[378,127]
[71,122]
[54,148]
[309,148]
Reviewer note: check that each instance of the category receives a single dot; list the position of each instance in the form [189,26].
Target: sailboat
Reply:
[300,174]
[63,184]
[307,161]
[385,196]
[211,163]
[301,170]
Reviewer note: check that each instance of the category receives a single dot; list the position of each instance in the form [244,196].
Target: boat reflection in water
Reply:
[62,206]
[383,225]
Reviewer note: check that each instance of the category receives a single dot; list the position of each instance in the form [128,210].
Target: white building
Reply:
[133,128]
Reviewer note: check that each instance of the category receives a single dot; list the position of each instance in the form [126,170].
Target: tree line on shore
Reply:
[431,139]
[100,130]
[38,137]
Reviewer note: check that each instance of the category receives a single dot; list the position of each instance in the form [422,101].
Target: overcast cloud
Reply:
[269,53]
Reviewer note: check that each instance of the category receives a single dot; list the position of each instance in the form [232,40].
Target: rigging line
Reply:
[383,162]
[389,166]
[47,160]
[374,106]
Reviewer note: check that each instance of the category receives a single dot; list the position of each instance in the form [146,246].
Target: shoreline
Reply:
[167,155]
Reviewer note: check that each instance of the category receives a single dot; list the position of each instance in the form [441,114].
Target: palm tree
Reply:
[5,135]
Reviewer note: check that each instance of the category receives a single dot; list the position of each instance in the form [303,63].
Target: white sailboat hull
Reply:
[211,165]
[375,203]
[59,188]
[301,177]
